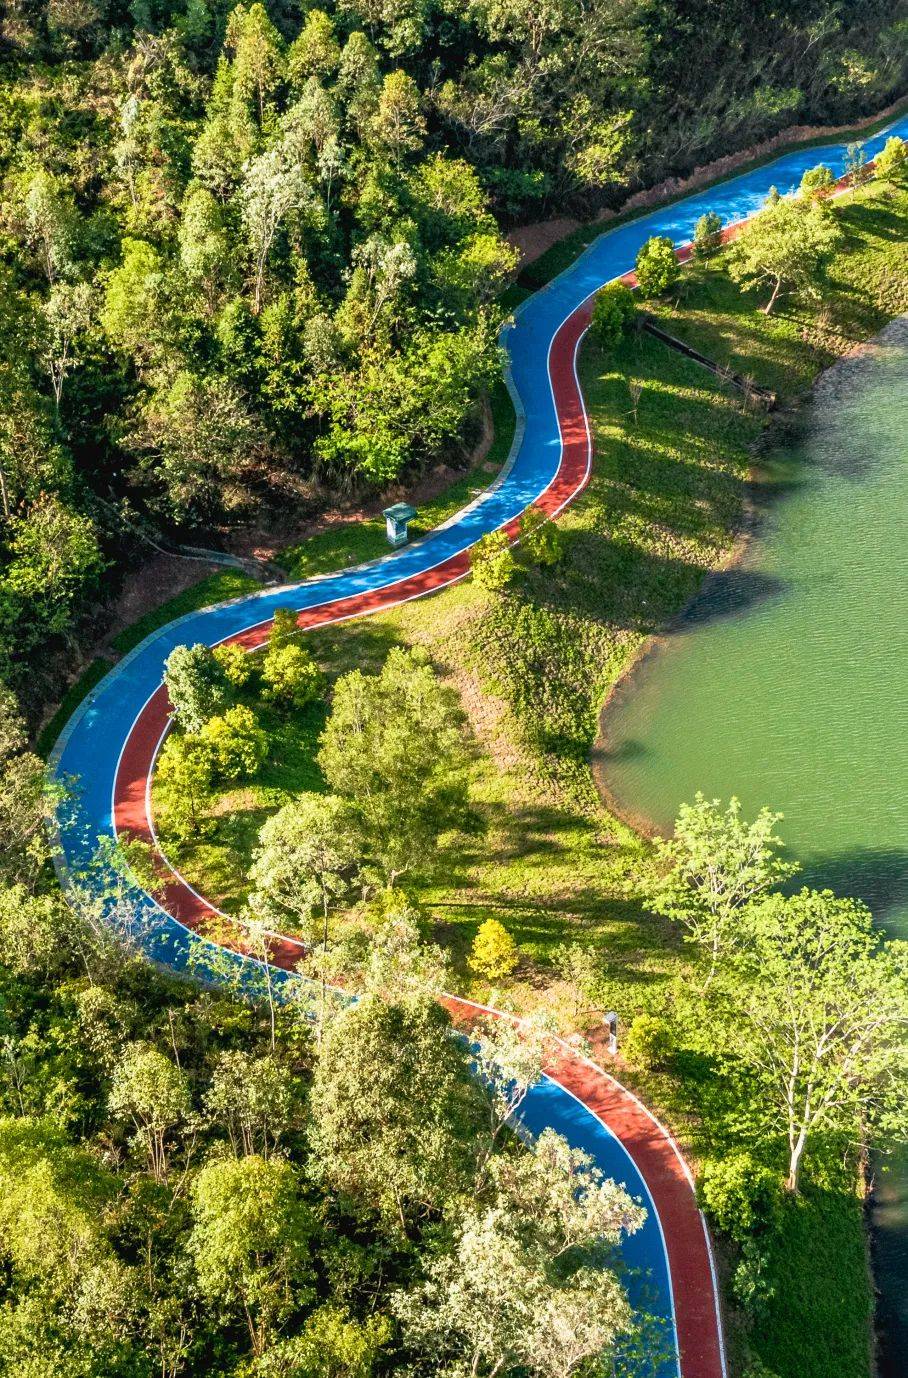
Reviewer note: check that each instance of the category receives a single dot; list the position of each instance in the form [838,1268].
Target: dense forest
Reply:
[250,253]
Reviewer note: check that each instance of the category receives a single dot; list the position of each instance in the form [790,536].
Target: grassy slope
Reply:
[533,667]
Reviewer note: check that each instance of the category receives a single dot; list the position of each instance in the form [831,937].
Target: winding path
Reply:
[112,739]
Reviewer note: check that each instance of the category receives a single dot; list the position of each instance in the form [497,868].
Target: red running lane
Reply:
[696,1306]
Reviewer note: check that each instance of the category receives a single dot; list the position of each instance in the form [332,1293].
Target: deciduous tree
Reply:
[784,247]
[818,1004]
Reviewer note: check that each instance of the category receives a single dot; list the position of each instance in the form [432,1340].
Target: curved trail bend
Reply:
[112,739]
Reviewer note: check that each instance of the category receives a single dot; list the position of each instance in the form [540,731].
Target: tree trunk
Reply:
[794,1163]
[767,309]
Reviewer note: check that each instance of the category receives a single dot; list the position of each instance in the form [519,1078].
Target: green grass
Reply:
[214,588]
[533,667]
[354,542]
[93,673]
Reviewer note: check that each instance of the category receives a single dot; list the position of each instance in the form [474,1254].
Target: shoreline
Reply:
[741,540]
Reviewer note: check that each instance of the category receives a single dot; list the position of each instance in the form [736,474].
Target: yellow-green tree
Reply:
[494,952]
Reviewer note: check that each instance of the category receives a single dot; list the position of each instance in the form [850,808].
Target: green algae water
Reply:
[786,683]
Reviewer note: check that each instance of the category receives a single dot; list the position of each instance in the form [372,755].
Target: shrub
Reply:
[494,953]
[540,539]
[751,1283]
[492,561]
[284,628]
[184,770]
[740,1195]
[649,1043]
[236,743]
[291,676]
[707,232]
[196,684]
[234,661]
[613,313]
[817,179]
[891,162]
[657,267]
[856,164]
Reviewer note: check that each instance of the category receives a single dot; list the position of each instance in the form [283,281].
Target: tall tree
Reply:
[393,746]
[394,1112]
[250,1239]
[714,866]
[785,247]
[527,1285]
[818,1004]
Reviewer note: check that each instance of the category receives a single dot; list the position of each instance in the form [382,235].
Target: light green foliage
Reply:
[613,313]
[656,267]
[67,315]
[891,161]
[315,52]
[492,561]
[184,769]
[196,684]
[525,1286]
[541,541]
[707,234]
[26,802]
[234,661]
[305,859]
[397,128]
[134,310]
[204,242]
[54,561]
[51,222]
[332,1344]
[32,930]
[401,964]
[510,1057]
[54,1200]
[649,1043]
[816,180]
[290,676]
[256,1100]
[284,629]
[393,747]
[249,1241]
[494,953]
[151,1094]
[740,1195]
[394,1113]
[818,1010]
[714,866]
[236,743]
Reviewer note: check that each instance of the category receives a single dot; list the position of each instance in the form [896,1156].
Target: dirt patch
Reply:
[145,588]
[534,240]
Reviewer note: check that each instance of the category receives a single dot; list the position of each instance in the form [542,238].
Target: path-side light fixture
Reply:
[396,520]
[611,1024]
